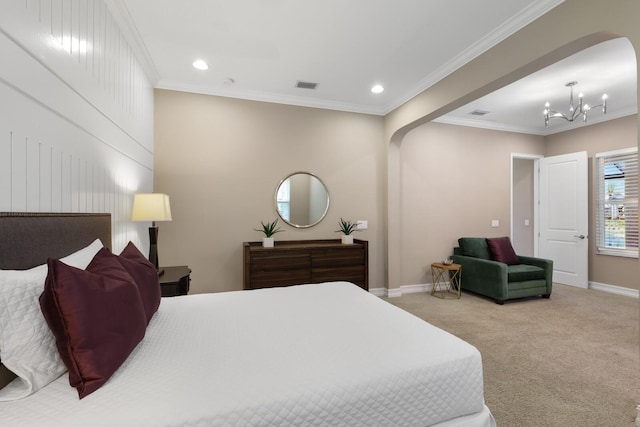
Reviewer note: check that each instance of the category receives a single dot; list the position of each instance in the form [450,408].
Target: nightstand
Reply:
[446,280]
[175,281]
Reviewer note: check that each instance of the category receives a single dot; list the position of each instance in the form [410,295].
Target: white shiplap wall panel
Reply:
[65,182]
[82,186]
[45,177]
[74,170]
[5,170]
[32,174]
[56,181]
[79,103]
[18,167]
[76,113]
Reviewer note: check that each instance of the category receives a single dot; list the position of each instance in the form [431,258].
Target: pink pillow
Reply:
[502,251]
[96,316]
[145,275]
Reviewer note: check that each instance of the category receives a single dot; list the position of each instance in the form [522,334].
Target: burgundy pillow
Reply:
[145,275]
[96,316]
[502,251]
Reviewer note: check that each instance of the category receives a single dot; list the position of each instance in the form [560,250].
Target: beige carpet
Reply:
[571,360]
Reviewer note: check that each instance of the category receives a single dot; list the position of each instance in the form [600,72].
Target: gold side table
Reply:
[443,288]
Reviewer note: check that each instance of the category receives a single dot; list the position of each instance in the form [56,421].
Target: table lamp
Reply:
[152,207]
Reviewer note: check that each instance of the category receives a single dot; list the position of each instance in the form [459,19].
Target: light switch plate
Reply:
[362,224]
[495,223]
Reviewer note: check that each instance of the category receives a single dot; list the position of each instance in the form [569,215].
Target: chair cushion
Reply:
[474,247]
[522,272]
[502,251]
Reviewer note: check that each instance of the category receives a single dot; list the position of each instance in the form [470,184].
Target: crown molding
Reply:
[482,124]
[272,98]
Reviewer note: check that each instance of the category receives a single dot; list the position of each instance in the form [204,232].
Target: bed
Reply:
[323,354]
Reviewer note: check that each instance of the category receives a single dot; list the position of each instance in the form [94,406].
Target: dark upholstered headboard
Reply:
[28,239]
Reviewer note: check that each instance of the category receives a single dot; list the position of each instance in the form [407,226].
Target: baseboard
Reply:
[613,289]
[379,292]
[402,290]
[426,287]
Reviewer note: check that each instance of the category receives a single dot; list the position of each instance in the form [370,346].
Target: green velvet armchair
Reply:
[523,277]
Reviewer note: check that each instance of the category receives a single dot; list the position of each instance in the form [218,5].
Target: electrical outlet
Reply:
[495,223]
[362,224]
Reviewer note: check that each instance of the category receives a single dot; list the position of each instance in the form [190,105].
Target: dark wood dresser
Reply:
[297,262]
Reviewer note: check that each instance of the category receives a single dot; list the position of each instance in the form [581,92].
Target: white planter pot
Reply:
[267,242]
[347,239]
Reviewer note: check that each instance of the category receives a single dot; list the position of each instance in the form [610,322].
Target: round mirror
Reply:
[302,200]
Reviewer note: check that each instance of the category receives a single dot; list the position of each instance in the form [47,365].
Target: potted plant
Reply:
[269,229]
[346,228]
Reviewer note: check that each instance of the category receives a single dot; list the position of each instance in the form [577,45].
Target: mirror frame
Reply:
[275,199]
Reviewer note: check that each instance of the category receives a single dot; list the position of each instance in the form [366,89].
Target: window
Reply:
[617,205]
[283,199]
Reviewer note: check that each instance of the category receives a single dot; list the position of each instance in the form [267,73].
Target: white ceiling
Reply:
[259,49]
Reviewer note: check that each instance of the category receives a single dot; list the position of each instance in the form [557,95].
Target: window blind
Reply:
[617,202]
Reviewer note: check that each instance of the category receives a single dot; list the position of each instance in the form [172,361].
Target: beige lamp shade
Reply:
[151,207]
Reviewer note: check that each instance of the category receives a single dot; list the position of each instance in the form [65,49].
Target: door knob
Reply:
[581,237]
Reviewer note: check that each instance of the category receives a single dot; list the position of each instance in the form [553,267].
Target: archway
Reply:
[534,47]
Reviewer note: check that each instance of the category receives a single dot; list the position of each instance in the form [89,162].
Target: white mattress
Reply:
[328,354]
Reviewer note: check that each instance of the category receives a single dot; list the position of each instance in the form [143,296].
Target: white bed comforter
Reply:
[328,354]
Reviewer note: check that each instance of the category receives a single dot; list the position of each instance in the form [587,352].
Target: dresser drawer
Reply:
[337,257]
[283,260]
[275,278]
[355,274]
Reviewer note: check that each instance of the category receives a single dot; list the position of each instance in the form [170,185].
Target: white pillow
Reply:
[27,346]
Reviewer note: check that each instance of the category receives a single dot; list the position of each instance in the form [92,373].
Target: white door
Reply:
[564,217]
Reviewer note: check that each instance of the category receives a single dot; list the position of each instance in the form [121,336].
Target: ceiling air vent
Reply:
[306,85]
[479,112]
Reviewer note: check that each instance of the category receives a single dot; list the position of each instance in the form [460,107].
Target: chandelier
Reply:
[574,111]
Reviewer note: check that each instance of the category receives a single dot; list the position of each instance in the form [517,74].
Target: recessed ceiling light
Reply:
[200,65]
[377,89]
